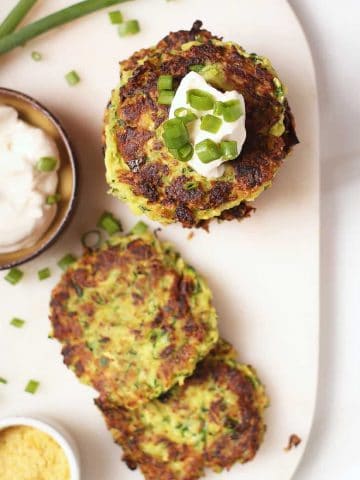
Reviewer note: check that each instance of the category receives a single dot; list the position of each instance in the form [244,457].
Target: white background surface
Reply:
[333,30]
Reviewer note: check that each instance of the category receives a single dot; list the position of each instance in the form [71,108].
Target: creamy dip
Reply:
[228,131]
[24,188]
[27,453]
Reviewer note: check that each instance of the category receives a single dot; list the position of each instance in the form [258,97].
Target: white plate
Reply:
[264,271]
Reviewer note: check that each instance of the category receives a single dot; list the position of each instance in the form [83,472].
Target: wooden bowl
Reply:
[36,114]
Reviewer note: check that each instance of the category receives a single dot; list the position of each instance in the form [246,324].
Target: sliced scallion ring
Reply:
[109,223]
[210,123]
[199,99]
[91,239]
[207,151]
[139,228]
[14,276]
[44,273]
[32,386]
[65,261]
[46,164]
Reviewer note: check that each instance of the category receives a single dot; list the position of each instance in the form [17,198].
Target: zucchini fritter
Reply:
[140,169]
[213,420]
[133,318]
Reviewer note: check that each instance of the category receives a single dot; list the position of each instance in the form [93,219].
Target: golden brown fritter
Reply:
[133,318]
[213,420]
[140,169]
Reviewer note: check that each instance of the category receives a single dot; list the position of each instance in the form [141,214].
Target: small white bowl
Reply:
[55,432]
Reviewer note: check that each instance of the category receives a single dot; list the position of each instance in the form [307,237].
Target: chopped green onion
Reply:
[175,133]
[207,151]
[196,68]
[52,199]
[3,380]
[72,78]
[229,149]
[185,114]
[232,110]
[46,164]
[210,123]
[32,386]
[109,223]
[184,153]
[15,16]
[139,228]
[165,82]
[166,97]
[91,239]
[36,56]
[44,273]
[23,35]
[128,28]
[191,185]
[17,322]
[115,17]
[199,99]
[14,276]
[65,261]
[218,108]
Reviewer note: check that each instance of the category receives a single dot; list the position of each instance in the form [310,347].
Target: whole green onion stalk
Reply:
[15,16]
[23,35]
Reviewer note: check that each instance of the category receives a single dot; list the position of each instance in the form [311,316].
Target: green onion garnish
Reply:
[23,35]
[184,153]
[166,97]
[72,78]
[17,322]
[218,108]
[32,386]
[175,133]
[36,56]
[46,164]
[109,223]
[128,28]
[185,114]
[207,151]
[116,17]
[44,273]
[196,68]
[65,261]
[232,110]
[15,16]
[210,123]
[14,276]
[91,239]
[165,82]
[139,228]
[199,99]
[52,199]
[229,149]
[3,380]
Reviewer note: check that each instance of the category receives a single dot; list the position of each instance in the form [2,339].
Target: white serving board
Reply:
[263,271]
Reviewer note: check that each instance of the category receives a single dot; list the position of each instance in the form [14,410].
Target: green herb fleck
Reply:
[44,273]
[14,276]
[17,322]
[32,386]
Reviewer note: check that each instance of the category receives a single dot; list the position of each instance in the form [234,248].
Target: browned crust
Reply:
[84,282]
[262,153]
[238,440]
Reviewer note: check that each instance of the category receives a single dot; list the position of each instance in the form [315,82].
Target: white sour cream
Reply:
[228,130]
[24,215]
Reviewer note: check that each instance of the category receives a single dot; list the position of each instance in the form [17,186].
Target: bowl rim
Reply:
[74,170]
[56,432]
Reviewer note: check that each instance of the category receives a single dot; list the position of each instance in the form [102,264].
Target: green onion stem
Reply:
[51,21]
[15,16]
[32,386]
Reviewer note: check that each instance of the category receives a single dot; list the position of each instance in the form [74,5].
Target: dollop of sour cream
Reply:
[24,213]
[228,130]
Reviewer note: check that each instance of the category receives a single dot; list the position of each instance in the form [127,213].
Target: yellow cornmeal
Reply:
[27,453]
